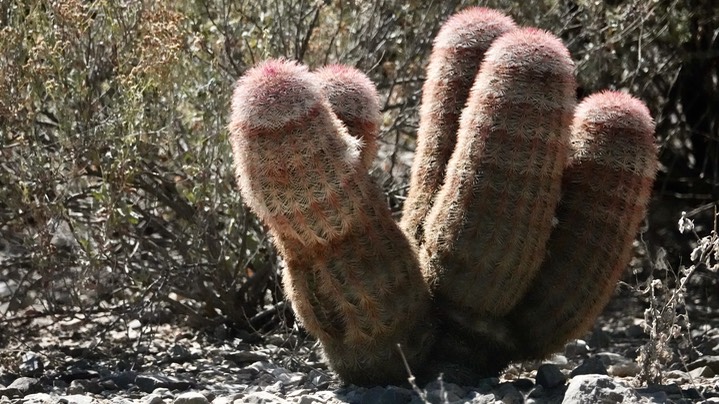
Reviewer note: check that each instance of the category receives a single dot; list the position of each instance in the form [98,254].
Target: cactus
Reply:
[520,216]
[487,230]
[457,53]
[606,190]
[354,100]
[351,275]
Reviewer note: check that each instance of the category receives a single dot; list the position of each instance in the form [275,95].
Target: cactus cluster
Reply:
[520,216]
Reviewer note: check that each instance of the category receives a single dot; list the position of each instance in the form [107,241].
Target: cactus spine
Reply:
[351,276]
[606,189]
[456,56]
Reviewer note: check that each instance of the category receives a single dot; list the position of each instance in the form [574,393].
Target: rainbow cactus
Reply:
[520,216]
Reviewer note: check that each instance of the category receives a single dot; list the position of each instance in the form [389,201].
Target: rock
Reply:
[261,397]
[599,339]
[508,394]
[575,348]
[626,368]
[318,379]
[26,385]
[549,376]
[229,399]
[653,395]
[31,365]
[38,398]
[475,397]
[76,399]
[710,361]
[242,357]
[635,331]
[594,388]
[124,379]
[593,365]
[149,382]
[81,386]
[191,397]
[380,395]
[10,393]
[704,371]
[153,399]
[523,384]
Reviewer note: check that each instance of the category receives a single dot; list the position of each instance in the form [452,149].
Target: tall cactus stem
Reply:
[351,275]
[489,225]
[456,56]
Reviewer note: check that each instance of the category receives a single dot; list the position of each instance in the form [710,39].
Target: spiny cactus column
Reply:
[351,275]
[456,56]
[605,193]
[354,100]
[486,233]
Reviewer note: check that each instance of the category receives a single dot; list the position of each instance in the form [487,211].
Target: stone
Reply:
[191,397]
[38,398]
[595,388]
[523,384]
[318,379]
[593,365]
[599,339]
[508,394]
[32,364]
[576,348]
[550,376]
[26,385]
[380,395]
[262,397]
[710,361]
[229,399]
[625,368]
[475,397]
[77,399]
[704,371]
[152,399]
[149,382]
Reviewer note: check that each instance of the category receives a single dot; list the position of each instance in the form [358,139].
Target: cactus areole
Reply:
[520,217]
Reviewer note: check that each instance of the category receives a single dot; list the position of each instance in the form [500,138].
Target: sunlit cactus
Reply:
[520,216]
[354,100]
[456,56]
[351,275]
[606,189]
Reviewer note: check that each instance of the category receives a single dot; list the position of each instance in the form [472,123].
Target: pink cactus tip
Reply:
[350,92]
[273,94]
[609,113]
[466,28]
[533,51]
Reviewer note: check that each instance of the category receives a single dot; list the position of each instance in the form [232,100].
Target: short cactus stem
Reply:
[355,101]
[351,275]
[457,53]
[606,189]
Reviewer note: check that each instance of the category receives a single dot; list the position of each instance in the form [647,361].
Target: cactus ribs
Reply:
[520,216]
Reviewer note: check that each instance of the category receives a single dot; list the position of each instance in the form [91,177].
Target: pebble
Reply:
[191,397]
[225,375]
[593,365]
[598,389]
[549,376]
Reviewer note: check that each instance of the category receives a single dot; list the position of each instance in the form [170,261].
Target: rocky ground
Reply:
[68,361]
